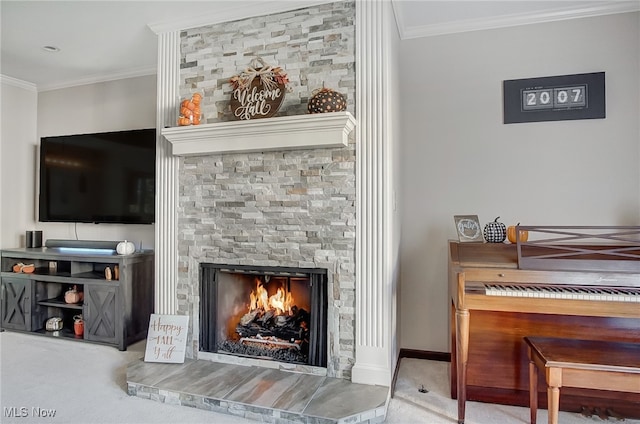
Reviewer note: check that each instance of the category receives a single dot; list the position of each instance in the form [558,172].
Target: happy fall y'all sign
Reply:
[166,338]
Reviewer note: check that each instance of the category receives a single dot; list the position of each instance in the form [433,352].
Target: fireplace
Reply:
[271,209]
[273,313]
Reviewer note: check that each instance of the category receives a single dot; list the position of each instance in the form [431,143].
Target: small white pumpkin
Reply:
[125,248]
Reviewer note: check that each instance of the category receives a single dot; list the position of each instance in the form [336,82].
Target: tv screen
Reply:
[101,178]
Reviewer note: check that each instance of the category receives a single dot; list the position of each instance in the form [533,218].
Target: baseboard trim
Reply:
[425,354]
[417,354]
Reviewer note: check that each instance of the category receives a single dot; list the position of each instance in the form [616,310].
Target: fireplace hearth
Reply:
[274,313]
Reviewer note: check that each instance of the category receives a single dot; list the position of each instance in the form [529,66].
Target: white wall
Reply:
[28,115]
[18,141]
[459,158]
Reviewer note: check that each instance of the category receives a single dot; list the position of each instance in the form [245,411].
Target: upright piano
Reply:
[495,304]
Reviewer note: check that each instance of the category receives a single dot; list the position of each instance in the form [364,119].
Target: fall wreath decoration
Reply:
[258,92]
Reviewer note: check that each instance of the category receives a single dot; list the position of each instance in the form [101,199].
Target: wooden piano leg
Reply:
[533,389]
[462,356]
[553,399]
[554,382]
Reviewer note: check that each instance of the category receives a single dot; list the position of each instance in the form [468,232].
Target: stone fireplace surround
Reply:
[375,269]
[288,207]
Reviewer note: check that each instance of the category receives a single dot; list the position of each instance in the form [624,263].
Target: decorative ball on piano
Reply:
[495,232]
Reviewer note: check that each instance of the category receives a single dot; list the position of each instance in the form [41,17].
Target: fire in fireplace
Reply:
[264,312]
[275,324]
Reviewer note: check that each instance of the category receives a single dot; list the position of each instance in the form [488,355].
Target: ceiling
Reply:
[110,39]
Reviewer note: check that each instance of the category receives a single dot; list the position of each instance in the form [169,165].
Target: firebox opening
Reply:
[267,313]
[270,317]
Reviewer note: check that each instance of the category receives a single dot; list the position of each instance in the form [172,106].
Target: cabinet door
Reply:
[101,320]
[16,304]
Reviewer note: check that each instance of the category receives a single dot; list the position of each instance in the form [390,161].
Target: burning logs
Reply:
[265,334]
[259,351]
[273,328]
[292,328]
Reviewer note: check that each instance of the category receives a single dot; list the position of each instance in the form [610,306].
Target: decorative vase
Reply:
[78,325]
[190,112]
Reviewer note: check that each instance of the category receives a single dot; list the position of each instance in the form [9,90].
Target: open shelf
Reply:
[65,333]
[92,275]
[60,303]
[45,274]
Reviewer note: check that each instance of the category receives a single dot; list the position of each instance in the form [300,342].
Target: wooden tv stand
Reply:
[115,312]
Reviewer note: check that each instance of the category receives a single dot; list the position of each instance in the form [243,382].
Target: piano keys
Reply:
[602,294]
[494,305]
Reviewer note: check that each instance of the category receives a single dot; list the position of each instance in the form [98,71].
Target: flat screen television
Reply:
[99,178]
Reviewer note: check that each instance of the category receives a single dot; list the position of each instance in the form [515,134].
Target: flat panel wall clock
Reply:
[557,98]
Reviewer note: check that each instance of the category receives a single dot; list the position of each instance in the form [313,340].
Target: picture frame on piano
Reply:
[468,229]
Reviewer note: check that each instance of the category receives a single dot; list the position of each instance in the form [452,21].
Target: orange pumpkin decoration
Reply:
[190,113]
[182,121]
[73,295]
[512,234]
[26,268]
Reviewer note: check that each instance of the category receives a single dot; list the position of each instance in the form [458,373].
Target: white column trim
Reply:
[166,256]
[373,188]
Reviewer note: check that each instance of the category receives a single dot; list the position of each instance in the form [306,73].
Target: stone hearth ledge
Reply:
[313,131]
[259,394]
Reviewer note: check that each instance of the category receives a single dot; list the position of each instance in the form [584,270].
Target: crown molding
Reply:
[98,78]
[233,13]
[17,83]
[550,15]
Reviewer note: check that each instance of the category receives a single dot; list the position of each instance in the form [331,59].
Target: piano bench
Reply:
[588,364]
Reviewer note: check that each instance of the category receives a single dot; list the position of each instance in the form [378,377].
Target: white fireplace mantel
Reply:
[311,131]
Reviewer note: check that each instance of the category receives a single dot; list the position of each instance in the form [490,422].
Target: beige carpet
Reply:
[435,407]
[85,383]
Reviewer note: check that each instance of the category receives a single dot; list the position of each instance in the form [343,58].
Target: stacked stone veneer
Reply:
[290,208]
[314,45]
